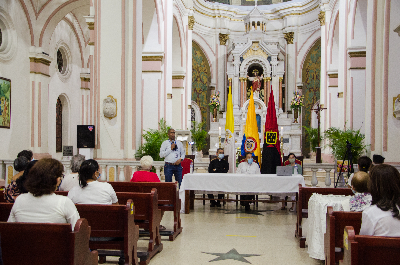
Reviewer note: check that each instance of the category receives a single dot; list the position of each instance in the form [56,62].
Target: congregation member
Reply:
[144,174]
[174,153]
[378,159]
[41,204]
[72,179]
[28,154]
[364,164]
[90,190]
[382,218]
[247,167]
[11,192]
[362,198]
[218,165]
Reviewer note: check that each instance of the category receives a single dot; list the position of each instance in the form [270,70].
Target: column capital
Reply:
[267,78]
[191,22]
[321,18]
[289,37]
[223,38]
[280,79]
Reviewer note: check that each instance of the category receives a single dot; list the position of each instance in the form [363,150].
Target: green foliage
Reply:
[313,137]
[337,142]
[153,140]
[199,135]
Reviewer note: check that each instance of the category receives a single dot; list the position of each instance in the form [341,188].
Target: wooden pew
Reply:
[116,222]
[369,250]
[168,199]
[335,224]
[147,216]
[2,196]
[302,205]
[38,244]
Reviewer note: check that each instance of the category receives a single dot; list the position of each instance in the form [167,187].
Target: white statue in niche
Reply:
[110,107]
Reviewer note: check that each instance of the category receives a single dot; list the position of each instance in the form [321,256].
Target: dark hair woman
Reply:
[364,164]
[41,204]
[12,191]
[382,218]
[90,190]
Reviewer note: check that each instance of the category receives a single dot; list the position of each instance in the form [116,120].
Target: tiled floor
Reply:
[210,230]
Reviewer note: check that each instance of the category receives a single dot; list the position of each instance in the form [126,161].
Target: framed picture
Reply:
[5,102]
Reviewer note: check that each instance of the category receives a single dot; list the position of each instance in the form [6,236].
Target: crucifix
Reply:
[318,112]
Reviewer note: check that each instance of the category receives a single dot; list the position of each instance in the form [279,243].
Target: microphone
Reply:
[176,147]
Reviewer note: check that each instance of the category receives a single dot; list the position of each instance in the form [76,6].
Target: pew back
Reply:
[5,210]
[113,221]
[335,225]
[168,198]
[370,250]
[34,243]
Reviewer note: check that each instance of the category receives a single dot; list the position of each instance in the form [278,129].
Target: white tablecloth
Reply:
[317,208]
[240,183]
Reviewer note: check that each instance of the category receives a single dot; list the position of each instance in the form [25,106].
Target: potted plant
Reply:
[153,140]
[338,142]
[199,136]
[313,137]
[214,105]
[296,104]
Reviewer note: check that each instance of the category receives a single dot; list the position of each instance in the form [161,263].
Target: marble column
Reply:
[265,91]
[268,87]
[241,91]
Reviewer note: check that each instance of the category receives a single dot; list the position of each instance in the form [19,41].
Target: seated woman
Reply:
[292,163]
[12,191]
[364,164]
[144,175]
[382,218]
[41,204]
[72,180]
[90,190]
[362,198]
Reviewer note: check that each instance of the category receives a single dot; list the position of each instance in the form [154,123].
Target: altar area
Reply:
[256,60]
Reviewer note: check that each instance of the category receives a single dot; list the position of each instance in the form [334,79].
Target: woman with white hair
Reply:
[144,175]
[72,180]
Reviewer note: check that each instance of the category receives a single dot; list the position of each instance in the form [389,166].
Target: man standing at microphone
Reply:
[174,153]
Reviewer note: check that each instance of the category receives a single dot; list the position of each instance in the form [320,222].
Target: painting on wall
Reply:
[5,102]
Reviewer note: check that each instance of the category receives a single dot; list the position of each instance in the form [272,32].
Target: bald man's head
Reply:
[360,181]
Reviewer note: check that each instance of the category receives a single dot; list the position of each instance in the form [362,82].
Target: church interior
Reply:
[122,66]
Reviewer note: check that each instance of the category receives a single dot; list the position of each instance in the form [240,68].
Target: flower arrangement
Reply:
[214,102]
[297,100]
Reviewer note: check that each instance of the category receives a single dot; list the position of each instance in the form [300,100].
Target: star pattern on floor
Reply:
[231,254]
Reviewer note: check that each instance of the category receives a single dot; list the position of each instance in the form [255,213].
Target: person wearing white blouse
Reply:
[247,167]
[382,218]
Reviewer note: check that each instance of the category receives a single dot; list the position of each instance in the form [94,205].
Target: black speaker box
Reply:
[85,136]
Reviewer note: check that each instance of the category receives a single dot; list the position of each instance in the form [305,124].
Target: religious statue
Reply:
[256,80]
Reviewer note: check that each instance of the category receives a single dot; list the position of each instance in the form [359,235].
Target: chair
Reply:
[186,164]
[299,160]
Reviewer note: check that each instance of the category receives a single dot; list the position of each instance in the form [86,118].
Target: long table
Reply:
[230,183]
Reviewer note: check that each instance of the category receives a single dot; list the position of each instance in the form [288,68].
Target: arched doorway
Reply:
[58,126]
[311,90]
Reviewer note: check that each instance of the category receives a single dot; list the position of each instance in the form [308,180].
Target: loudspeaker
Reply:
[85,136]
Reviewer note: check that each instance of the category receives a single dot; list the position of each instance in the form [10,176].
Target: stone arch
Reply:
[305,49]
[197,111]
[255,60]
[151,26]
[52,15]
[311,90]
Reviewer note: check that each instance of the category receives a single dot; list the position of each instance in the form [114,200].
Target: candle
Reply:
[219,131]
[281,131]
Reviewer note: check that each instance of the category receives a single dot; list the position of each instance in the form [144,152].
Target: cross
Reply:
[318,112]
[256,2]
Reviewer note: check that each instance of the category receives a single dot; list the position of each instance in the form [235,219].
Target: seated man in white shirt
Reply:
[247,167]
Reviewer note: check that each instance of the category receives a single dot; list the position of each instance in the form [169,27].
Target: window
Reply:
[1,37]
[58,126]
[60,61]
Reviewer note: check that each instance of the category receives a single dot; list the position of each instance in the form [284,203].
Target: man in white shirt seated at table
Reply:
[247,167]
